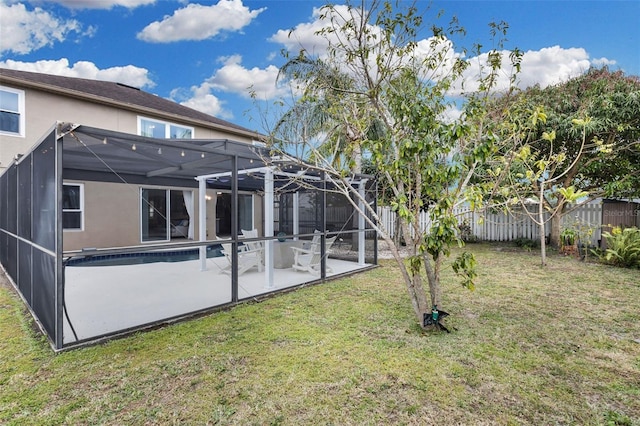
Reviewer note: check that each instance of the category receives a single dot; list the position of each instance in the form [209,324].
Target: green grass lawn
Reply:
[532,346]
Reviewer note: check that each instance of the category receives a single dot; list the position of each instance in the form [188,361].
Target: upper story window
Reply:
[163,130]
[11,111]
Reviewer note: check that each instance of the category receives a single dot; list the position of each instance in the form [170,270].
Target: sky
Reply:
[211,55]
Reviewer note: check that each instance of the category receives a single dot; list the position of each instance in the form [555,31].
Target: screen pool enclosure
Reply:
[104,233]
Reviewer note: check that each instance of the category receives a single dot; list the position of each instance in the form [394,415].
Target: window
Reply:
[72,206]
[163,130]
[11,111]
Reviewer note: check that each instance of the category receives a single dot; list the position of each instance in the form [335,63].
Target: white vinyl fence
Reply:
[507,226]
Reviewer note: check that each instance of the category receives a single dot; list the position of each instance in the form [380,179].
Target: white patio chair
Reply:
[306,244]
[247,258]
[308,260]
[252,245]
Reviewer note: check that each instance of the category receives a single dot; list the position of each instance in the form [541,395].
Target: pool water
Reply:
[144,257]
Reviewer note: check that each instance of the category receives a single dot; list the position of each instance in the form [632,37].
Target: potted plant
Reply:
[580,231]
[568,239]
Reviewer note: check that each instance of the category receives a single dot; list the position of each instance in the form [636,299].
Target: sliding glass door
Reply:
[245,211]
[155,223]
[223,213]
[165,214]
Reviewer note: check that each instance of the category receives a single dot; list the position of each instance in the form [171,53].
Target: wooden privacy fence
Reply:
[507,226]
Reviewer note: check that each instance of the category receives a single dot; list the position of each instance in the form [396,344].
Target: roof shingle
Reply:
[117,92]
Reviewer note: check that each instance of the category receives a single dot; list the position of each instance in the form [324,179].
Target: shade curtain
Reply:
[188,203]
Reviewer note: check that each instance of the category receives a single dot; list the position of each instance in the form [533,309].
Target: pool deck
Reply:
[102,300]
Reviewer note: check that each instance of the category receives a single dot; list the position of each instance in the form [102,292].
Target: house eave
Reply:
[75,94]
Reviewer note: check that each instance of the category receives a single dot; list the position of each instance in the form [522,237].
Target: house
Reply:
[120,210]
[33,102]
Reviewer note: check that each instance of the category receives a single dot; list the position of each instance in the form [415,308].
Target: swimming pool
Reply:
[144,257]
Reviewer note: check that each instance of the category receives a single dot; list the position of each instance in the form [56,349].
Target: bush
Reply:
[623,247]
[466,232]
[526,243]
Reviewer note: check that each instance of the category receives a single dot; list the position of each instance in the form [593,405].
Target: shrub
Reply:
[623,247]
[466,232]
[568,237]
[526,243]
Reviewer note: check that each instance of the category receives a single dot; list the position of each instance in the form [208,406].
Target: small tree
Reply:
[389,104]
[604,153]
[532,169]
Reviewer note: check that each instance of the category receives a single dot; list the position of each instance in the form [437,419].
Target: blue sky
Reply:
[206,54]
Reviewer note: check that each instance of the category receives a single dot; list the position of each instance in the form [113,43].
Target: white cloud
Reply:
[23,31]
[198,22]
[601,62]
[129,74]
[305,35]
[328,28]
[552,65]
[441,51]
[232,77]
[451,113]
[547,66]
[312,36]
[202,100]
[100,4]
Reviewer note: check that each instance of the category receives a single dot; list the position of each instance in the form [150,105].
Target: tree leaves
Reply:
[465,267]
[372,94]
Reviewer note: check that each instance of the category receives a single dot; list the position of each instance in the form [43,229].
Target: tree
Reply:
[389,102]
[532,168]
[602,157]
[322,113]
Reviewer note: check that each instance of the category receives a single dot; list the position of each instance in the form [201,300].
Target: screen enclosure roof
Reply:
[97,154]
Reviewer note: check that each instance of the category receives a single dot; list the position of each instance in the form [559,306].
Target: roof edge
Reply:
[128,106]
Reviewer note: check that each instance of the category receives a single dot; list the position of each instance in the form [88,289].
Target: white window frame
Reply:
[21,112]
[80,210]
[167,126]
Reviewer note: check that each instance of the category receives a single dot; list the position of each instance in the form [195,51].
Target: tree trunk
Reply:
[413,280]
[421,297]
[433,275]
[397,236]
[554,238]
[543,244]
[556,225]
[413,288]
[543,247]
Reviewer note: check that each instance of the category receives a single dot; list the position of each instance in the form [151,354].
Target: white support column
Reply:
[268,228]
[202,220]
[296,215]
[361,239]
